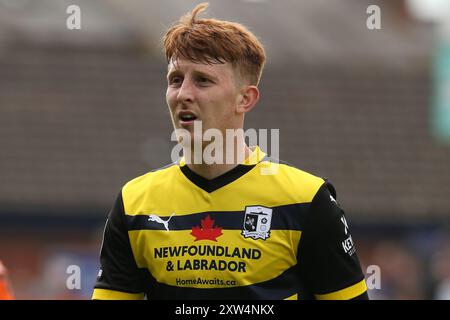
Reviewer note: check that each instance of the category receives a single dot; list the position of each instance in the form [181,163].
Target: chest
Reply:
[217,248]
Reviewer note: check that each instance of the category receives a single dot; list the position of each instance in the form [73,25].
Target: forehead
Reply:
[219,70]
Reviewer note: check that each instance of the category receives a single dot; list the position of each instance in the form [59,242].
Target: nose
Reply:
[186,92]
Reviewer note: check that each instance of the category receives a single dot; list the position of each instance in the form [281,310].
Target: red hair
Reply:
[215,41]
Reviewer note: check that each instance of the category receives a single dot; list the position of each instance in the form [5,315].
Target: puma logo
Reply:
[165,223]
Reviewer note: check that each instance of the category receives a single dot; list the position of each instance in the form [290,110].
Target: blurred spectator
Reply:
[5,288]
[440,272]
[401,272]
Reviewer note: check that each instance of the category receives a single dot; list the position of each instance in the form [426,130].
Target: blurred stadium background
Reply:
[83,111]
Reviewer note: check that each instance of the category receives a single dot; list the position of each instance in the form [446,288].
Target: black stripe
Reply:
[218,182]
[279,288]
[287,217]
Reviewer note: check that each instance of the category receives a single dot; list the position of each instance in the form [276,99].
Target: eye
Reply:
[175,81]
[203,81]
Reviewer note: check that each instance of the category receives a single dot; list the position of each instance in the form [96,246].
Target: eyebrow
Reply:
[172,73]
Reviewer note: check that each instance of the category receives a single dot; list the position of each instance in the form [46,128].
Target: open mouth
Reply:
[187,116]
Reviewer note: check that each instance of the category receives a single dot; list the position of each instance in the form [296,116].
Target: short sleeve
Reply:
[327,255]
[119,277]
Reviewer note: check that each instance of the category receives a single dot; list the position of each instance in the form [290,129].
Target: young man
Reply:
[224,230]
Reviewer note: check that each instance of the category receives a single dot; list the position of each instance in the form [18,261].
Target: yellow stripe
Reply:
[345,294]
[167,191]
[293,297]
[105,294]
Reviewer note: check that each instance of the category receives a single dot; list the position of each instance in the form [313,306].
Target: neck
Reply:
[211,171]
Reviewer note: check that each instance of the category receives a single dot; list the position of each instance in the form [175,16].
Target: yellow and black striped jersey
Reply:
[263,230]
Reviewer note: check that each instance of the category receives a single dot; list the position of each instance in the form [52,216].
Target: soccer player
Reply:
[202,230]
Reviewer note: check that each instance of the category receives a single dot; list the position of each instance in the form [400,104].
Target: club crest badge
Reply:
[257,221]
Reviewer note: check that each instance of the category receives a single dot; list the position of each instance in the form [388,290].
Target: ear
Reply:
[247,99]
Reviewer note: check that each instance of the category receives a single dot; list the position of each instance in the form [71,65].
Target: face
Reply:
[208,93]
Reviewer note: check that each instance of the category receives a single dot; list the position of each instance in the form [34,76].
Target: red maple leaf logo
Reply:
[207,231]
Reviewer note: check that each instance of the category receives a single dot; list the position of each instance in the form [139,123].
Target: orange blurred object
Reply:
[5,289]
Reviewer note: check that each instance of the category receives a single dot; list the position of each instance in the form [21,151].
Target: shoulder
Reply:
[148,181]
[299,181]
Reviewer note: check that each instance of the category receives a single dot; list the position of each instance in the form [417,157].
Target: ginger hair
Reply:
[214,41]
